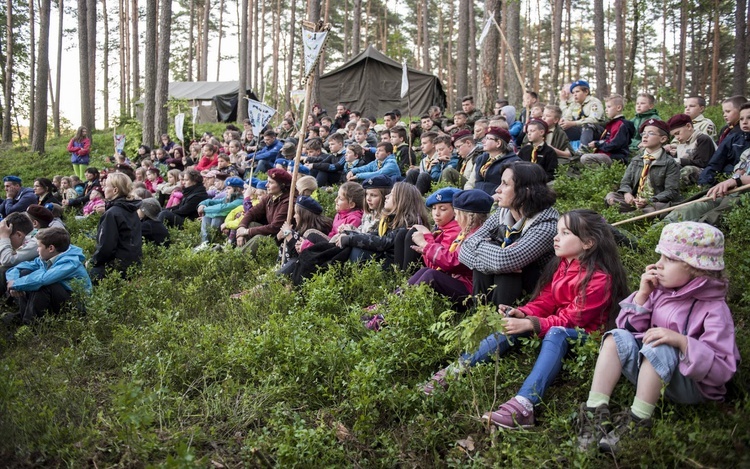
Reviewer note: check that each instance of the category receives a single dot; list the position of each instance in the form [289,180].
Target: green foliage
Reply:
[166,369]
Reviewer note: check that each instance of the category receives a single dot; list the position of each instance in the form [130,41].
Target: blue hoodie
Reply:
[67,267]
[388,168]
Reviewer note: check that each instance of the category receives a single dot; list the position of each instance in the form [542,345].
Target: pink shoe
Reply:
[511,415]
[438,379]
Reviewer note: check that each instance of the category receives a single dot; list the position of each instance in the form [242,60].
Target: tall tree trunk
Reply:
[32,67]
[682,58]
[356,26]
[601,65]
[261,54]
[462,50]
[162,69]
[450,69]
[58,72]
[275,55]
[250,44]
[513,34]
[473,79]
[134,52]
[105,64]
[91,49]
[204,40]
[241,104]
[84,67]
[488,90]
[568,39]
[290,56]
[633,49]
[556,43]
[191,41]
[221,34]
[715,54]
[7,124]
[739,79]
[620,47]
[122,32]
[425,36]
[39,137]
[149,78]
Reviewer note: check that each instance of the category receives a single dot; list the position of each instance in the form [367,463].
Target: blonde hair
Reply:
[408,207]
[122,183]
[469,221]
[306,183]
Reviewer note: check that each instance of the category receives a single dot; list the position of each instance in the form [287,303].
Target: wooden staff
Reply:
[510,53]
[669,209]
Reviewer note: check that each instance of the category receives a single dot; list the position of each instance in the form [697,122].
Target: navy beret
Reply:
[378,182]
[581,83]
[474,200]
[310,204]
[262,185]
[442,196]
[15,179]
[234,181]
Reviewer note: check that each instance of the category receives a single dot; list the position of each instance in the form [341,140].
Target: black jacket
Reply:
[191,197]
[118,237]
[154,231]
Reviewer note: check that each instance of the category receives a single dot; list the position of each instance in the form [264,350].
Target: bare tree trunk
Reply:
[356,26]
[538,59]
[568,39]
[275,61]
[739,79]
[450,69]
[290,56]
[512,34]
[191,40]
[601,65]
[161,110]
[150,75]
[7,124]
[488,91]
[250,44]
[105,64]
[715,54]
[122,31]
[241,104]
[261,54]
[682,58]
[204,40]
[91,49]
[39,137]
[32,67]
[221,34]
[134,49]
[462,50]
[58,75]
[425,36]
[556,43]
[346,46]
[83,64]
[620,47]
[473,50]
[633,49]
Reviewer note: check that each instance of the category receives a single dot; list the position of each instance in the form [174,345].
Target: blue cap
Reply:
[253,182]
[310,204]
[15,179]
[234,181]
[582,83]
[261,185]
[378,182]
[474,200]
[442,196]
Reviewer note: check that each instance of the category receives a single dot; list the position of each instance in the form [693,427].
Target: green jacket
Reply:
[637,121]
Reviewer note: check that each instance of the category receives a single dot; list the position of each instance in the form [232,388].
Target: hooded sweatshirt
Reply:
[118,237]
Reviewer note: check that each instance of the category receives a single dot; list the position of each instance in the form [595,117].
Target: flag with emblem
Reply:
[259,115]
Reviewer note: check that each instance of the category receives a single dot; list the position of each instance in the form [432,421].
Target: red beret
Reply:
[461,134]
[500,133]
[280,176]
[659,124]
[679,120]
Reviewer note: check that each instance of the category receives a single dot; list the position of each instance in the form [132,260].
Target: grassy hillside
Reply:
[167,370]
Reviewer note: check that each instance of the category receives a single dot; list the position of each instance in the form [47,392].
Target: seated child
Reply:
[614,142]
[644,110]
[214,211]
[385,164]
[46,283]
[308,215]
[349,202]
[694,107]
[651,181]
[675,335]
[152,229]
[96,200]
[537,151]
[733,140]
[693,150]
[153,179]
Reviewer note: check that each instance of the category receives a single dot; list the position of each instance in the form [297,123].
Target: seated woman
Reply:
[266,217]
[509,251]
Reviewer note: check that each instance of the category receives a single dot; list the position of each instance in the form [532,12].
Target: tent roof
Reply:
[372,53]
[202,89]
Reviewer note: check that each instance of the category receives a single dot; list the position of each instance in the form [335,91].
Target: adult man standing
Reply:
[17,198]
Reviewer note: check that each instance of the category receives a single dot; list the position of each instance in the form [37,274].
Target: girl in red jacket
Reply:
[576,295]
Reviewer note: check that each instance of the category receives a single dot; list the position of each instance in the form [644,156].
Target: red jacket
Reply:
[208,163]
[437,254]
[560,302]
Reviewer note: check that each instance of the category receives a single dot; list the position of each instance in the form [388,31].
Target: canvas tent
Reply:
[371,83]
[216,100]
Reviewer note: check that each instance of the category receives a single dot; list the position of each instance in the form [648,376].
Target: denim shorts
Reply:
[665,360]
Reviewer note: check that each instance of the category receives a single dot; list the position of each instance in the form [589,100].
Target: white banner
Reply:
[404,81]
[297,97]
[312,45]
[119,143]
[195,114]
[486,29]
[179,123]
[259,115]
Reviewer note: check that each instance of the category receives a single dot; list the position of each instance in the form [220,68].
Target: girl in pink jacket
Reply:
[676,332]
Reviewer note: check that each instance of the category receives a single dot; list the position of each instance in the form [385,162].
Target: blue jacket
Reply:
[725,157]
[267,153]
[22,201]
[67,267]
[515,129]
[219,208]
[389,168]
[437,169]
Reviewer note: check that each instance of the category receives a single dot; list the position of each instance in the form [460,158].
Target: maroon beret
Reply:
[280,176]
[500,133]
[659,124]
[540,122]
[679,120]
[41,214]
[461,134]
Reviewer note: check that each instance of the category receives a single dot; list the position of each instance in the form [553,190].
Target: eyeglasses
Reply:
[651,134]
[491,138]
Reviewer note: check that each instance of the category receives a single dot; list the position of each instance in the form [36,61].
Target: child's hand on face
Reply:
[649,282]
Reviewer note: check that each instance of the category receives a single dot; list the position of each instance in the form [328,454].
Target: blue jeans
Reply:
[496,343]
[555,346]
[209,222]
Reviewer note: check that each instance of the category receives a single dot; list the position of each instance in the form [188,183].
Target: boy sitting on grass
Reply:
[693,150]
[556,136]
[46,283]
[613,144]
[644,110]
[537,151]
[694,107]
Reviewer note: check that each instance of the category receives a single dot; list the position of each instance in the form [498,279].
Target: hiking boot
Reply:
[594,424]
[511,415]
[625,423]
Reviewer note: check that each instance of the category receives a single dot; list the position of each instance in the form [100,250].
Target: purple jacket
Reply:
[712,356]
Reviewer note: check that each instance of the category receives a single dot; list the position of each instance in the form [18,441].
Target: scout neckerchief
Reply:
[457,242]
[513,232]
[490,162]
[725,133]
[647,159]
[534,152]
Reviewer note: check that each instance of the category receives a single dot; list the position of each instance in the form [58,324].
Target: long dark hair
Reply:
[310,221]
[532,194]
[603,255]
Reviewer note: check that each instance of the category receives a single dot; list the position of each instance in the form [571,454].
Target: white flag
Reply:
[486,29]
[259,115]
[195,114]
[179,123]
[312,44]
[404,82]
